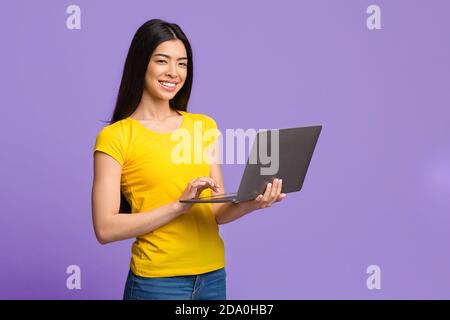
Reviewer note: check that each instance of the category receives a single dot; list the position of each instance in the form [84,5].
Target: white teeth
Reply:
[167,84]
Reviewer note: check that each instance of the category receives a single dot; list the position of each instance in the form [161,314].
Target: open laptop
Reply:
[295,147]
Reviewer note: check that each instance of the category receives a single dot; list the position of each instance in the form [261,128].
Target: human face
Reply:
[167,70]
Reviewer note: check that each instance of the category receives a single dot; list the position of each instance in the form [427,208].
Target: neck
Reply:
[151,108]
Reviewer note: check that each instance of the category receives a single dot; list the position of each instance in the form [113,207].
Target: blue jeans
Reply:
[205,286]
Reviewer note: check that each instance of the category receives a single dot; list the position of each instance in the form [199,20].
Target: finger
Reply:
[267,192]
[281,197]
[280,186]
[258,199]
[198,188]
[203,183]
[198,184]
[191,182]
[274,191]
[211,182]
[214,183]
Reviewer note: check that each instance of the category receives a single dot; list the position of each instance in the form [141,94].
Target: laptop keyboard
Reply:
[221,196]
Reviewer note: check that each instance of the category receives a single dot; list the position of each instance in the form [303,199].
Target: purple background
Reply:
[378,187]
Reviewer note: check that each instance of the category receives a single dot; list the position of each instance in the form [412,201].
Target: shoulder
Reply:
[207,119]
[112,140]
[116,130]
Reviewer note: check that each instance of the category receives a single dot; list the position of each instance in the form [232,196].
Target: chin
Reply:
[169,95]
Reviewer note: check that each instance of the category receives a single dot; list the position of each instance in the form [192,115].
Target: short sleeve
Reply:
[211,135]
[211,130]
[111,142]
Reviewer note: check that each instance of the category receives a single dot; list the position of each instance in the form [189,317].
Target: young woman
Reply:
[178,252]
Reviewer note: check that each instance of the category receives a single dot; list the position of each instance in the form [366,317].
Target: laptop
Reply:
[295,149]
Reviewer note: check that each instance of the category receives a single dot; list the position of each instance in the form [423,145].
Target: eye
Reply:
[160,61]
[184,64]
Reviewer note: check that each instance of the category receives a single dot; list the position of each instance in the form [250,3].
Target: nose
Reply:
[171,70]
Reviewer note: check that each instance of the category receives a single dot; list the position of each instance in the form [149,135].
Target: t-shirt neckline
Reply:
[161,133]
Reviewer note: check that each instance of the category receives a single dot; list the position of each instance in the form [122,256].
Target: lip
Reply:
[167,88]
[168,81]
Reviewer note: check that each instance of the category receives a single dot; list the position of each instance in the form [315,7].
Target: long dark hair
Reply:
[145,41]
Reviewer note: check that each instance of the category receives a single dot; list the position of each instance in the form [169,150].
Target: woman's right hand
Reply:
[194,189]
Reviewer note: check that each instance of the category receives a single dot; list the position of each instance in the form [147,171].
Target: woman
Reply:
[178,252]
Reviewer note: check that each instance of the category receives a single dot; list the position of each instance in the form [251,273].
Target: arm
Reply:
[228,212]
[109,224]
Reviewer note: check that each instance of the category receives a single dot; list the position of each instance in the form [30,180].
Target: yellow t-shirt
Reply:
[156,169]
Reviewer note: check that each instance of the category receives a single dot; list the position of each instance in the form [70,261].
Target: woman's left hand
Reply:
[271,195]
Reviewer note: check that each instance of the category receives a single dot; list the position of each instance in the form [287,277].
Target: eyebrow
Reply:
[167,56]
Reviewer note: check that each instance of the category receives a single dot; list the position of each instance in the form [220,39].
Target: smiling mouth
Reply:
[168,85]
